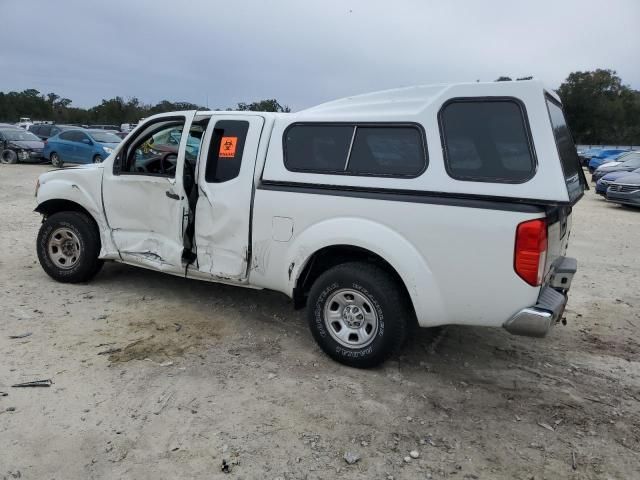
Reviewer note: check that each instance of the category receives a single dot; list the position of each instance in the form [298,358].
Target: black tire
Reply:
[97,159]
[87,238]
[386,299]
[8,156]
[56,160]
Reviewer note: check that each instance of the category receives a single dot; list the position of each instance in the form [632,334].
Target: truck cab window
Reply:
[225,152]
[155,150]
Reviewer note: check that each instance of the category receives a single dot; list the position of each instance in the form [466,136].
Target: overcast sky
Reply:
[303,52]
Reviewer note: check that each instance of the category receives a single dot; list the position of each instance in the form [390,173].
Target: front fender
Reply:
[384,242]
[83,188]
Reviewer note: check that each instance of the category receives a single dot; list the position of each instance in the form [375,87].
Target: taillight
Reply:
[531,251]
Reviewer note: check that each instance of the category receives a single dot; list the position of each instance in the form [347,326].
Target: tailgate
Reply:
[558,232]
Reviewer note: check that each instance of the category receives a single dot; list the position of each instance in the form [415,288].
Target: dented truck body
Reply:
[454,214]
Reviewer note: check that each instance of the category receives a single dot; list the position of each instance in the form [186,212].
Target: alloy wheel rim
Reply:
[351,318]
[64,248]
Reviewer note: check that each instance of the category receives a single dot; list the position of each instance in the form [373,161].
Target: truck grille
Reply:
[617,187]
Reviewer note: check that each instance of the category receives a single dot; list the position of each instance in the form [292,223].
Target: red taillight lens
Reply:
[531,251]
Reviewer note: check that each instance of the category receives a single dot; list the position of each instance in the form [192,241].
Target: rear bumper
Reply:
[537,320]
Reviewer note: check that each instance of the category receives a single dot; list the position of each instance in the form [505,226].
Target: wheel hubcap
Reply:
[64,248]
[351,318]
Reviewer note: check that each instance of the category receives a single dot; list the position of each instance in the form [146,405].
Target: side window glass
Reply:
[486,141]
[68,136]
[317,148]
[154,151]
[393,151]
[225,152]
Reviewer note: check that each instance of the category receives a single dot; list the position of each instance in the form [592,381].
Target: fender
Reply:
[388,244]
[83,187]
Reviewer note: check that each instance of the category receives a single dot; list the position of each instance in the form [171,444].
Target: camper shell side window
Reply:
[396,150]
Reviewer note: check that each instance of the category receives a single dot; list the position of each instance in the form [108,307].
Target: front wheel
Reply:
[56,161]
[68,247]
[97,159]
[358,314]
[8,156]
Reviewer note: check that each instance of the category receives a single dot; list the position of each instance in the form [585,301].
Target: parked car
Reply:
[603,157]
[587,154]
[18,145]
[362,209]
[625,190]
[80,146]
[603,183]
[25,123]
[625,163]
[46,131]
[113,128]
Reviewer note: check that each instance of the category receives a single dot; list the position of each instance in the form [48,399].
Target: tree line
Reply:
[115,111]
[599,107]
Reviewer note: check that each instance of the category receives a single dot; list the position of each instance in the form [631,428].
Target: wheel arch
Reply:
[55,205]
[323,246]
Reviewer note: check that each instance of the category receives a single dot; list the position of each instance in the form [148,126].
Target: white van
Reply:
[446,204]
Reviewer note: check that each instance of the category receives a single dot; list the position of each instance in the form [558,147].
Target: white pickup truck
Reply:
[446,204]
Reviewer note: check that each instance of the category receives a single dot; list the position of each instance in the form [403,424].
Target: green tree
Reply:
[600,108]
[269,105]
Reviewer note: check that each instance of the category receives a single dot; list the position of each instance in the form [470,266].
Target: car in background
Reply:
[113,128]
[80,146]
[588,154]
[603,157]
[45,131]
[624,163]
[609,178]
[625,190]
[18,145]
[122,134]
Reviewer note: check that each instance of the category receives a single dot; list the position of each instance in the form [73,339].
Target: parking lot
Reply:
[160,377]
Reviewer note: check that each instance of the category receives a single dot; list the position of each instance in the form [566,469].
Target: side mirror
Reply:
[87,141]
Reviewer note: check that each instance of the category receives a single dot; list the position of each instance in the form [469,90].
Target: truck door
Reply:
[225,186]
[143,194]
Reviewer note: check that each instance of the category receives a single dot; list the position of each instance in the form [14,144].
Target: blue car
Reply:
[80,146]
[604,156]
[609,178]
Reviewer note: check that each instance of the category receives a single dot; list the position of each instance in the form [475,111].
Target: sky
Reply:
[303,52]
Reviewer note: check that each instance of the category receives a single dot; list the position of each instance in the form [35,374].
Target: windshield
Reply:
[105,137]
[574,176]
[19,135]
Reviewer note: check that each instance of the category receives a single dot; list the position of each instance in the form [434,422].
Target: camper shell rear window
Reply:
[487,140]
[573,174]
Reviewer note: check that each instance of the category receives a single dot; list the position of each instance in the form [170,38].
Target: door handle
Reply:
[172,195]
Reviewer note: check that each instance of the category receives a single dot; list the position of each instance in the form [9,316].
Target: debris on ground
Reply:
[22,335]
[351,457]
[10,409]
[414,454]
[110,351]
[547,426]
[34,383]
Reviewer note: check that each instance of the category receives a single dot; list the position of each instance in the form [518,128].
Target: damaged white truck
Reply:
[428,205]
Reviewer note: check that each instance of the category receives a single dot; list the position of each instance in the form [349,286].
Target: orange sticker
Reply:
[228,147]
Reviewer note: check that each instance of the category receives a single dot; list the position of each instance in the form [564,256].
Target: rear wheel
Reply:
[8,156]
[68,247]
[358,314]
[56,161]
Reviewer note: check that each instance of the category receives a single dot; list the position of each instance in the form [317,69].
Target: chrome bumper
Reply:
[536,321]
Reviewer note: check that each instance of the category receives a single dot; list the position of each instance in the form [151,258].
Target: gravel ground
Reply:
[160,377]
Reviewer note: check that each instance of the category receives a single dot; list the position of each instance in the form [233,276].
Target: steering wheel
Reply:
[165,158]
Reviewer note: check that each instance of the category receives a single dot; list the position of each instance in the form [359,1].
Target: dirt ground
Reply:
[200,373]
